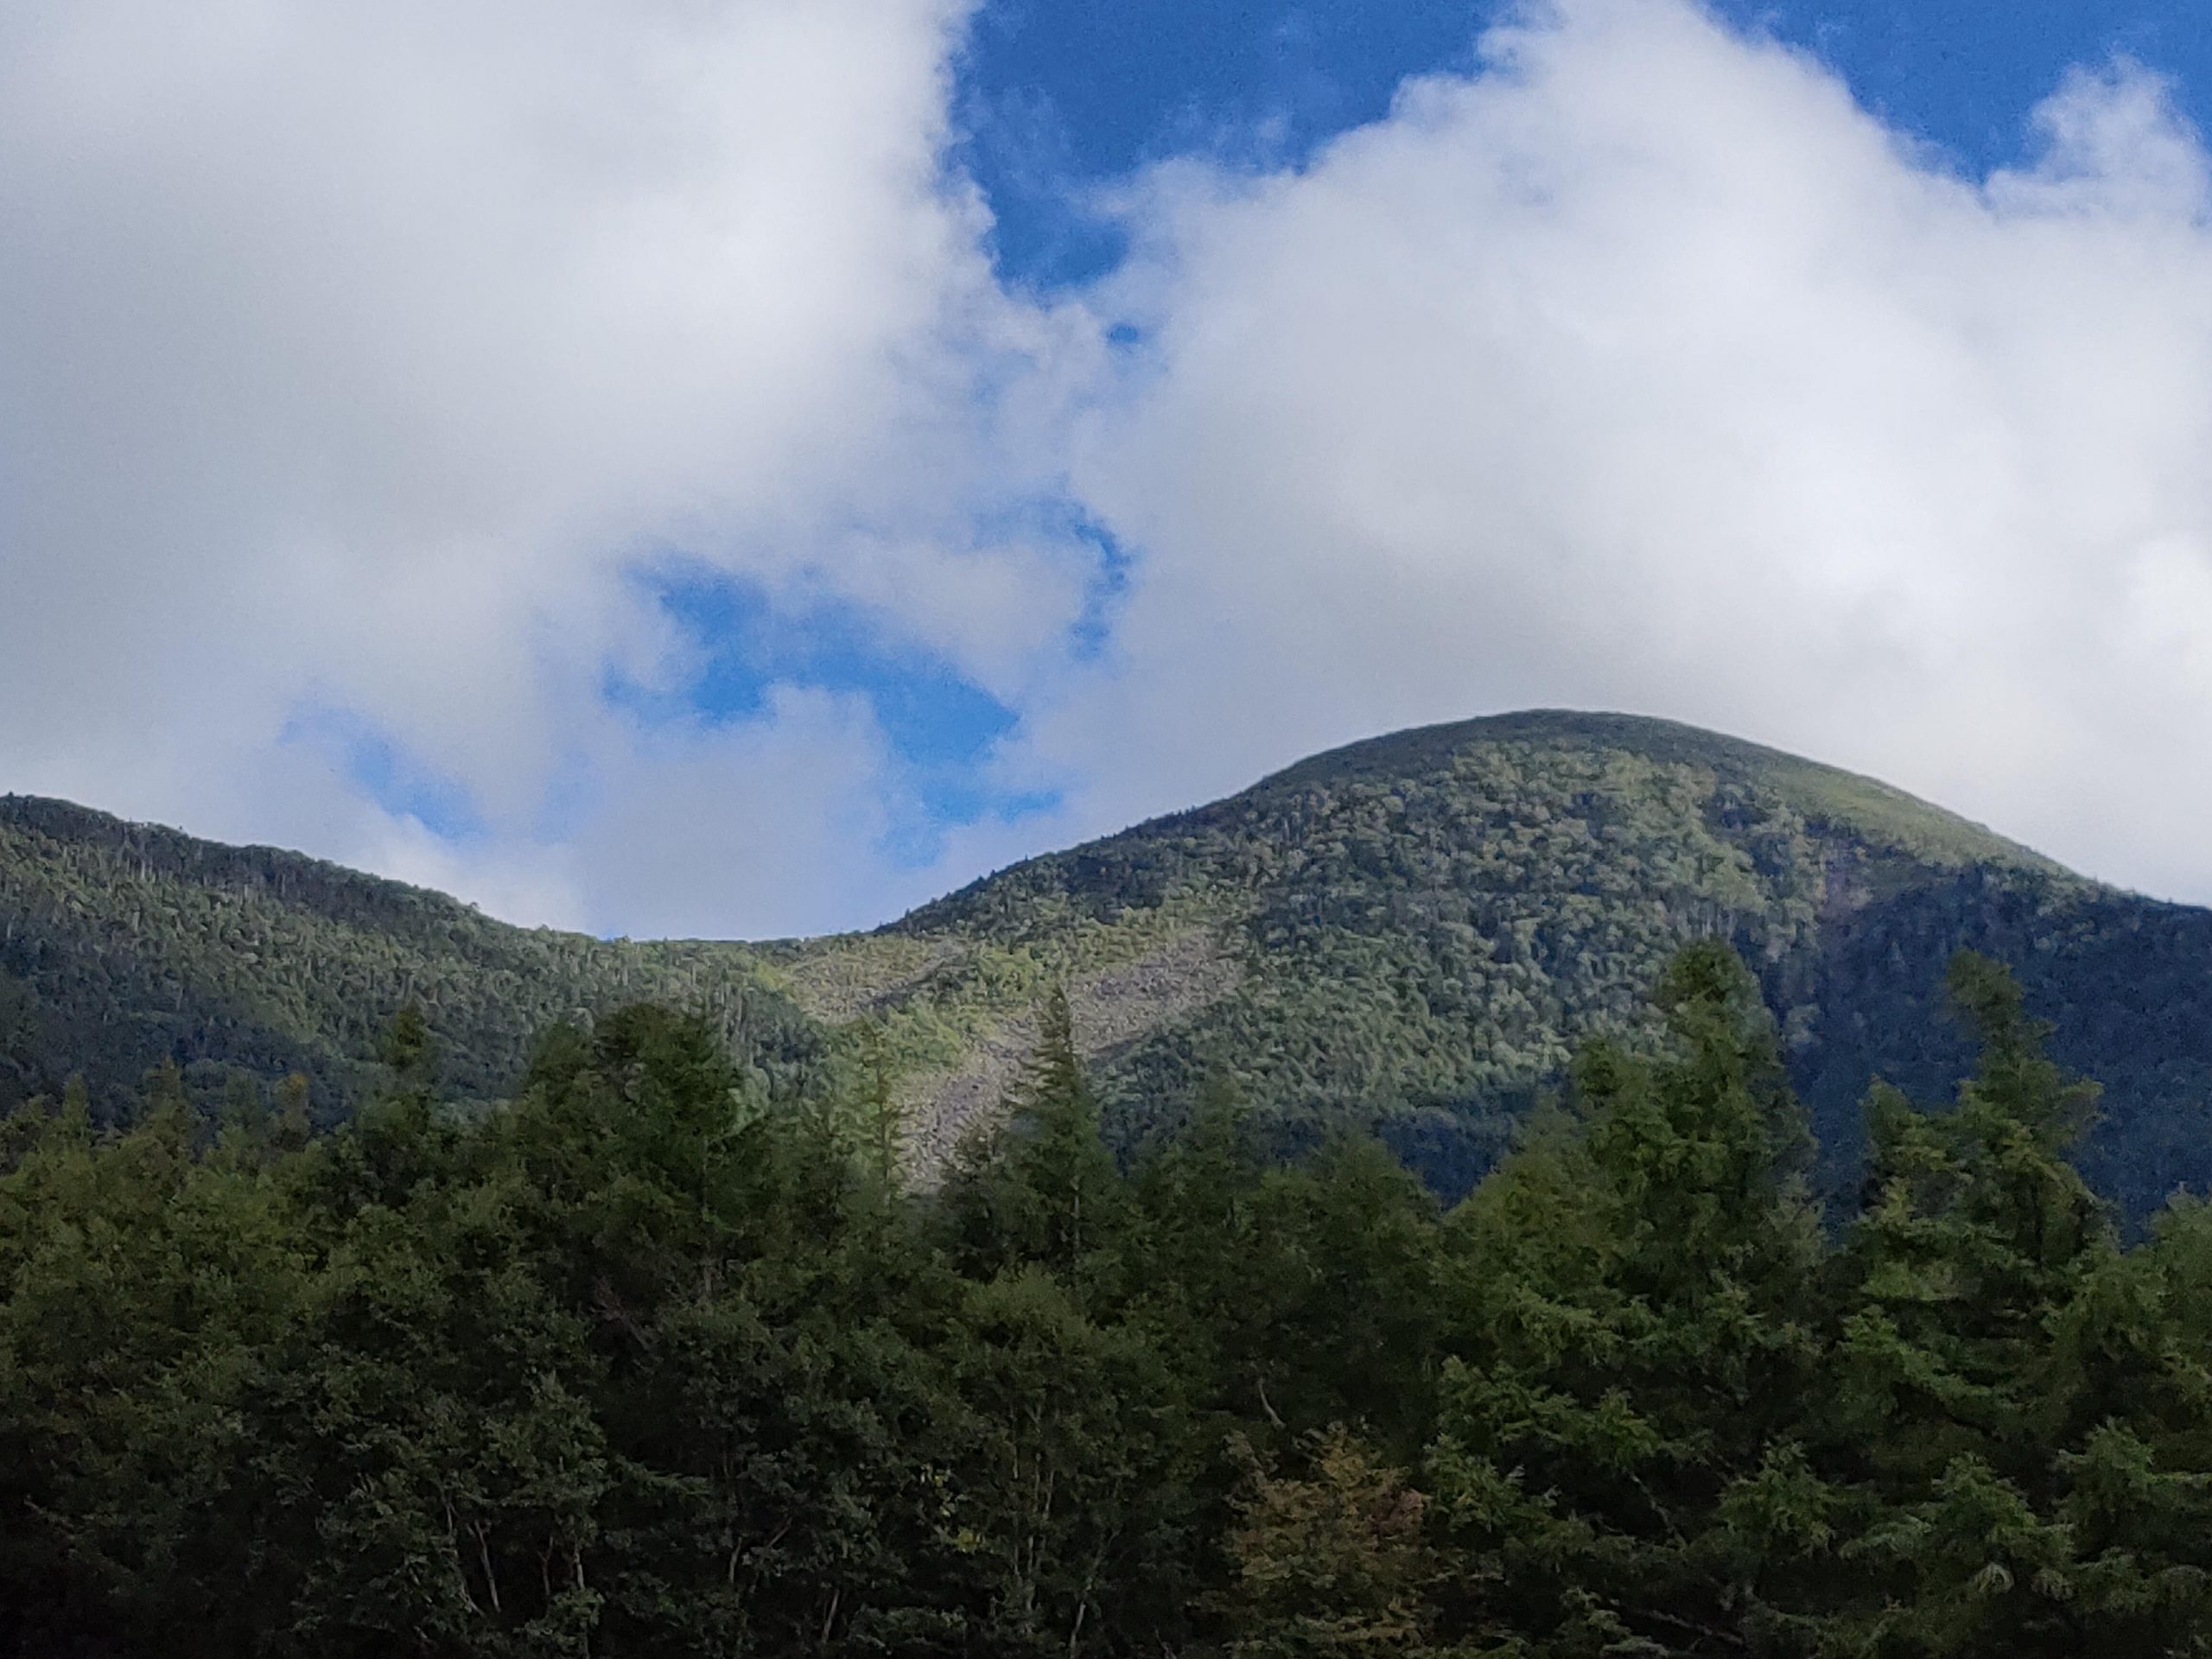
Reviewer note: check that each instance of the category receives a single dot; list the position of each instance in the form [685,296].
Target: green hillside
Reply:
[126,945]
[1412,931]
[1415,931]
[1422,917]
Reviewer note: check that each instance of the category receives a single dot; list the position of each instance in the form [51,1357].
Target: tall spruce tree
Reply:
[1039,1186]
[1627,1400]
[2006,1388]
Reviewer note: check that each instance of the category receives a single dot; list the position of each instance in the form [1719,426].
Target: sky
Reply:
[741,467]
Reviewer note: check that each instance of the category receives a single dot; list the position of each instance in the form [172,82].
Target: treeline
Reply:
[646,1362]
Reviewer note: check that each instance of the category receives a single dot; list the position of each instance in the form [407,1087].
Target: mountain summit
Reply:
[1412,933]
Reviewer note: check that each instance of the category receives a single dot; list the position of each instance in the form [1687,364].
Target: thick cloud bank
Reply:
[361,366]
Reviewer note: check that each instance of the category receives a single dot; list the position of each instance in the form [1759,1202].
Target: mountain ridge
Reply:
[1835,788]
[1411,933]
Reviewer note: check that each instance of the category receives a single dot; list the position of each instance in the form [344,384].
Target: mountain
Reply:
[1417,929]
[1412,931]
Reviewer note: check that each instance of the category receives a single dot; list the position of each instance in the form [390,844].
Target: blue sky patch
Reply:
[1105,594]
[751,643]
[940,726]
[385,772]
[1965,75]
[1059,98]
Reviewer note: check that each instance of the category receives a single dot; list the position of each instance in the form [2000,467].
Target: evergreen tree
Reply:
[1995,1346]
[1040,1186]
[1638,1365]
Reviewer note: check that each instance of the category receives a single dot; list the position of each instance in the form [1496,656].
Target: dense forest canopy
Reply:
[663,1357]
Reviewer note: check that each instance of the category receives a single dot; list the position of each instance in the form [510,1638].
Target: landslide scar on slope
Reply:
[1113,1007]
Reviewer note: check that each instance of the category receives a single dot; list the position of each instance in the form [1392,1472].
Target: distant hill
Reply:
[1411,933]
[124,945]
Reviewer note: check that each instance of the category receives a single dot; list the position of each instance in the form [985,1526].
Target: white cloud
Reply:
[354,352]
[775,823]
[1646,370]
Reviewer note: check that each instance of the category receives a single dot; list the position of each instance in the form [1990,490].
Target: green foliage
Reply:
[1332,1566]
[1989,1332]
[124,946]
[1040,1186]
[1633,1385]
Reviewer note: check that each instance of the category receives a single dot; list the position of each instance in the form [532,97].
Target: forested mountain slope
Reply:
[124,945]
[1417,930]
[1412,931]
